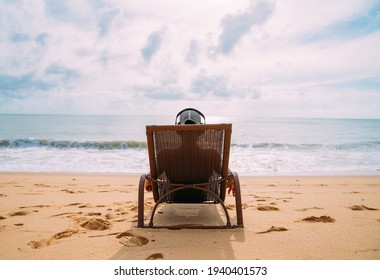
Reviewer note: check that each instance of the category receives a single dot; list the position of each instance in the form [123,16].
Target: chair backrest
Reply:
[189,154]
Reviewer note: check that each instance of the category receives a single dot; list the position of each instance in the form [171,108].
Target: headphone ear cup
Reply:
[178,121]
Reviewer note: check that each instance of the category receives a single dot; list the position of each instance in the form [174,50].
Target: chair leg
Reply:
[238,202]
[140,220]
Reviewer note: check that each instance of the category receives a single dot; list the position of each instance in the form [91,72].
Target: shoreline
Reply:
[304,174]
[55,215]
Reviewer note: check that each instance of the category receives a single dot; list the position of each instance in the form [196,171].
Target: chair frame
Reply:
[225,177]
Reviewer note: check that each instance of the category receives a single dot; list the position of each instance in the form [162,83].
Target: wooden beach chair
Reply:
[189,164]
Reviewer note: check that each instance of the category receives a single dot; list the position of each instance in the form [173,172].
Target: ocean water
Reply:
[260,146]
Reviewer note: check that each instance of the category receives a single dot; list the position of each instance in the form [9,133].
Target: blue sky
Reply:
[259,58]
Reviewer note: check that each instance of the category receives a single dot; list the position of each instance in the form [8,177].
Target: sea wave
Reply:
[362,145]
[70,144]
[41,155]
[123,145]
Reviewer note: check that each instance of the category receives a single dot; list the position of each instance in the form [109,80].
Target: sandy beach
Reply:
[93,216]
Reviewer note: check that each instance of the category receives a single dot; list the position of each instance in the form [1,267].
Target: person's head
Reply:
[190,116]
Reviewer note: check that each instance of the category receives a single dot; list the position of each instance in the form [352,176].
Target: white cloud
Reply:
[235,26]
[152,45]
[252,57]
[106,16]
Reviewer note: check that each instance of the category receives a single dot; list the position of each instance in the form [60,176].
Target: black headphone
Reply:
[187,109]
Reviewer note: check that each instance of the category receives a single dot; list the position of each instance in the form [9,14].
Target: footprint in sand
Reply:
[85,205]
[245,206]
[107,185]
[267,208]
[42,185]
[75,204]
[130,240]
[71,191]
[64,234]
[93,214]
[121,211]
[321,219]
[35,206]
[133,208]
[68,214]
[96,224]
[19,213]
[38,244]
[124,191]
[47,242]
[273,228]
[362,208]
[312,208]
[157,256]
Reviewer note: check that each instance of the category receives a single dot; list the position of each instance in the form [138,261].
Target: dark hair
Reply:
[190,116]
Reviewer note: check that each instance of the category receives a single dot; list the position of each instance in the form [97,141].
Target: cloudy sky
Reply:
[296,58]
